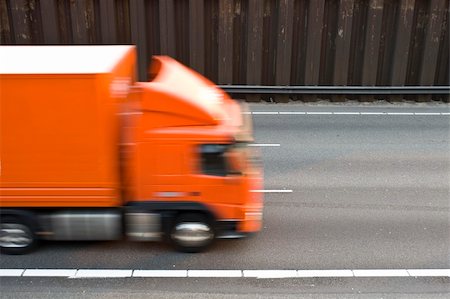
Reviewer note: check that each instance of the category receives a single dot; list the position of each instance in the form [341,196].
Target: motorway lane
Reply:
[369,192]
[407,288]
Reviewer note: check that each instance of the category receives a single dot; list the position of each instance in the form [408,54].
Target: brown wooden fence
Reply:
[255,42]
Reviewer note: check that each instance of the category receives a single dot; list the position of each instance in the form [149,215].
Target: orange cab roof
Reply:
[185,92]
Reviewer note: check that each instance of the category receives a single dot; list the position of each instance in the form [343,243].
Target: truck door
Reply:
[221,185]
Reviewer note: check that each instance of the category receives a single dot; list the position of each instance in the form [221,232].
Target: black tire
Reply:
[194,226]
[19,228]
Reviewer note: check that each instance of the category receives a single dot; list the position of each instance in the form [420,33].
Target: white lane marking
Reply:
[270,273]
[160,273]
[264,144]
[400,113]
[50,272]
[272,191]
[292,112]
[429,272]
[11,272]
[381,273]
[214,273]
[91,273]
[319,113]
[348,113]
[106,273]
[427,113]
[324,273]
[264,112]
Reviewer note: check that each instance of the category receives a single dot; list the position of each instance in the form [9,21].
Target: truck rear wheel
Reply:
[16,235]
[192,232]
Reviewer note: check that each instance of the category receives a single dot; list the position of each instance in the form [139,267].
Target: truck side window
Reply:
[213,160]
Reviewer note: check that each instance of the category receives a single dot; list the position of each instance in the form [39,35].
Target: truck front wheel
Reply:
[192,232]
[16,236]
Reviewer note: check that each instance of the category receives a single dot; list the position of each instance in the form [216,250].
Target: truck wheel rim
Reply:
[192,234]
[14,235]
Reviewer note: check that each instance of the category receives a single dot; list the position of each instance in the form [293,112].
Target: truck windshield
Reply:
[228,159]
[222,159]
[213,161]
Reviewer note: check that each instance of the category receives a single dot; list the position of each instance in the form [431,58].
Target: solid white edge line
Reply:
[11,272]
[429,272]
[271,191]
[270,273]
[264,144]
[160,273]
[104,273]
[381,273]
[324,273]
[49,272]
[346,113]
[319,113]
[400,113]
[427,113]
[214,273]
[292,112]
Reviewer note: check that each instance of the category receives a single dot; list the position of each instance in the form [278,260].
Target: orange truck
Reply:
[88,153]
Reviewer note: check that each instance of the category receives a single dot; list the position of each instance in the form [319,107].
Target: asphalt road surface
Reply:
[352,188]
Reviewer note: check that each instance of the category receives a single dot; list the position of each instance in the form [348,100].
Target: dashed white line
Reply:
[272,191]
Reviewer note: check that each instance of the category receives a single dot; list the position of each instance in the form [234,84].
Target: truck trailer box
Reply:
[59,132]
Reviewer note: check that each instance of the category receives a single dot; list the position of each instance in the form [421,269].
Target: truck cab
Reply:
[189,152]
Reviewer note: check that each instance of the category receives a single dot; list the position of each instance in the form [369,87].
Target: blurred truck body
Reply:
[87,153]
